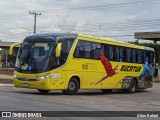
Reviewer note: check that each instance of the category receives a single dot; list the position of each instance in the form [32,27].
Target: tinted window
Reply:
[133,55]
[116,53]
[139,56]
[66,46]
[150,56]
[124,54]
[86,49]
[95,49]
[106,51]
[143,57]
[121,53]
[110,53]
[128,58]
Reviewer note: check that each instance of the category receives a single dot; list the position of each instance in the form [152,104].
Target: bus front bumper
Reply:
[38,84]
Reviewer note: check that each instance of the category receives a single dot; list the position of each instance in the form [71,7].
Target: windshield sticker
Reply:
[41,44]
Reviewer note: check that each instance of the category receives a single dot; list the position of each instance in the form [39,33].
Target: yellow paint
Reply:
[73,67]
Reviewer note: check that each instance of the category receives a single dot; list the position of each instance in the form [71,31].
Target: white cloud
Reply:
[18,31]
[73,20]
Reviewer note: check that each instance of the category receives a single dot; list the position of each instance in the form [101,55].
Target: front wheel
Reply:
[44,91]
[73,87]
[133,86]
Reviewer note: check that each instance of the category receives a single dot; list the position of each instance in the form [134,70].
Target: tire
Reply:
[106,90]
[44,91]
[133,86]
[73,87]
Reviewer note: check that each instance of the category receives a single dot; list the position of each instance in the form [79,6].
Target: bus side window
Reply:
[143,57]
[128,58]
[110,52]
[77,49]
[106,51]
[95,49]
[133,55]
[124,55]
[87,49]
[121,53]
[66,46]
[151,57]
[82,50]
[139,56]
[117,54]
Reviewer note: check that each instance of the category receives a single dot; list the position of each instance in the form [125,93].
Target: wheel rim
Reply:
[72,86]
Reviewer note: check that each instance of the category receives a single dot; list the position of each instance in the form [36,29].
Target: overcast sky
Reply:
[118,19]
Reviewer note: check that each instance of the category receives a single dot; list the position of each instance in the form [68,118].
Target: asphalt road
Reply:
[19,99]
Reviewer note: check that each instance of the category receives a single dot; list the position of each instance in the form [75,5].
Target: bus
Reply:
[73,61]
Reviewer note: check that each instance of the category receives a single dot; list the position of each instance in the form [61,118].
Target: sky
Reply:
[118,19]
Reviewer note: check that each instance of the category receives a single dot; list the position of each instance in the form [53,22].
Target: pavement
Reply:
[20,99]
[6,79]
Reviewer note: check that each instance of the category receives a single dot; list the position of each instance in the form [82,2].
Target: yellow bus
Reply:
[72,61]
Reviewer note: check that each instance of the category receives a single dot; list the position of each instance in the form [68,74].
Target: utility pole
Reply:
[35,15]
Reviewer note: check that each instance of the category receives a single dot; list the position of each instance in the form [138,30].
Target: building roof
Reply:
[148,35]
[5,44]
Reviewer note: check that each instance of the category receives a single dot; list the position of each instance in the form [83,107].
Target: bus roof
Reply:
[102,39]
[114,42]
[52,35]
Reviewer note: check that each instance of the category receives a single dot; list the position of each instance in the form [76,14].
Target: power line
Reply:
[9,16]
[115,5]
[16,36]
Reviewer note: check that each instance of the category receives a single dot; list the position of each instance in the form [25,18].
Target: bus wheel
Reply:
[73,87]
[132,88]
[43,91]
[106,90]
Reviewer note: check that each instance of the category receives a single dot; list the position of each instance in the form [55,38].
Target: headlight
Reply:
[15,76]
[43,77]
[31,79]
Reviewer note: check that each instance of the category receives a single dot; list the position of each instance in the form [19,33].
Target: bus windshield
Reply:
[34,56]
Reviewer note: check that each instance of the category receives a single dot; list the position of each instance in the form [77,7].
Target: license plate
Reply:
[26,84]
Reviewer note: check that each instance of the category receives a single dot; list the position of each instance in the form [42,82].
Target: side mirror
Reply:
[12,47]
[58,49]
